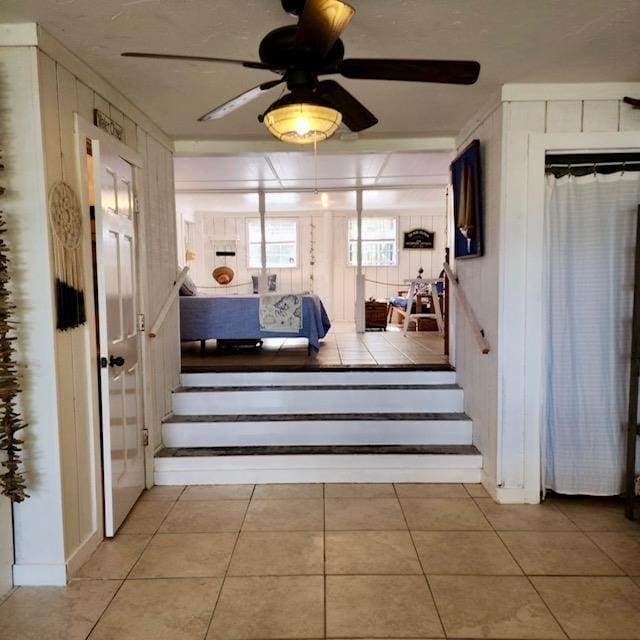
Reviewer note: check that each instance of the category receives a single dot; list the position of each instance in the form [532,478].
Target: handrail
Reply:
[478,331]
[168,302]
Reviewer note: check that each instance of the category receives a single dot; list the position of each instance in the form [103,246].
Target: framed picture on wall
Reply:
[468,212]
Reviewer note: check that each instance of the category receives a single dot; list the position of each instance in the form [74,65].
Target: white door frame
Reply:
[539,144]
[85,130]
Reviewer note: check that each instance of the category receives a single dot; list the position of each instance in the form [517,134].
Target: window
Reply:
[378,242]
[280,240]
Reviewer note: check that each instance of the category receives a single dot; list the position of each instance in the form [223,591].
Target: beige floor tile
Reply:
[271,607]
[350,514]
[167,609]
[622,548]
[476,491]
[186,555]
[524,517]
[55,613]
[597,517]
[371,552]
[464,553]
[266,553]
[114,557]
[492,607]
[218,492]
[593,607]
[162,492]
[280,491]
[146,516]
[284,515]
[437,514]
[205,516]
[380,606]
[434,490]
[558,553]
[359,490]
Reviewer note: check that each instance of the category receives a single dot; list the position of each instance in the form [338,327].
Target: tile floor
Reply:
[346,561]
[341,347]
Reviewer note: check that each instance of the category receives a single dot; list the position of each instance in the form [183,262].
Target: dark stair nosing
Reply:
[327,387]
[313,367]
[317,417]
[430,449]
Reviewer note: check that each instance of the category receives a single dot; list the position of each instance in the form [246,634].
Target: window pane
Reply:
[254,231]
[280,231]
[378,241]
[254,256]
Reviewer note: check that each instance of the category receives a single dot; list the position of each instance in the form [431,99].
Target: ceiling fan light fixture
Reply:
[302,122]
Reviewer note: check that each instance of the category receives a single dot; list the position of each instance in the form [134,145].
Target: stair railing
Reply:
[478,331]
[164,310]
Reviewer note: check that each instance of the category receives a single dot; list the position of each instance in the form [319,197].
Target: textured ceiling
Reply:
[514,40]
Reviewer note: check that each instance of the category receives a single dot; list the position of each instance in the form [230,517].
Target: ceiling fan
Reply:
[302,53]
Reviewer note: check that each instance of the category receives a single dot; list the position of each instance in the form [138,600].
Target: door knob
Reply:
[116,361]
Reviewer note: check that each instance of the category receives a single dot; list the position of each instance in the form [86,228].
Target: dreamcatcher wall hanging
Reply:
[65,218]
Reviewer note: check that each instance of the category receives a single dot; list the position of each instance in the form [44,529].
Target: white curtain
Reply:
[590,226]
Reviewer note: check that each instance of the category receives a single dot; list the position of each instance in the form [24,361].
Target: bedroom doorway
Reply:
[299,235]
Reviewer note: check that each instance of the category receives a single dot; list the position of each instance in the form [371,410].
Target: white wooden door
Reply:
[121,383]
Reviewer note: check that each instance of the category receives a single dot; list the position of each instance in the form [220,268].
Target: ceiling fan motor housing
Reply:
[278,51]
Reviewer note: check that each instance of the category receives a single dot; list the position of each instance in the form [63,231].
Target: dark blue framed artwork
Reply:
[468,213]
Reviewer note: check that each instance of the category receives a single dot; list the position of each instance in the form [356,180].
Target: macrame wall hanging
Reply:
[12,482]
[65,218]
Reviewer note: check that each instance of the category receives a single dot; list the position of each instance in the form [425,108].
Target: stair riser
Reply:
[260,378]
[291,401]
[330,432]
[345,468]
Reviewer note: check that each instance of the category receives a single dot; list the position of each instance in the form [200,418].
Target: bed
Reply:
[237,318]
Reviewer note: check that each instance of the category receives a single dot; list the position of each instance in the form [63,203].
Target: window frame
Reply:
[296,243]
[381,239]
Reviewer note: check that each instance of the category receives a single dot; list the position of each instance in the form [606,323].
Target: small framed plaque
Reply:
[419,239]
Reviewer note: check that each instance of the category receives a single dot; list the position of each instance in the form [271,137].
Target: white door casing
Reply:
[120,373]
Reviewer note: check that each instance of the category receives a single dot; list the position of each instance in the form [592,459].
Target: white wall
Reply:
[577,117]
[48,85]
[333,278]
[479,278]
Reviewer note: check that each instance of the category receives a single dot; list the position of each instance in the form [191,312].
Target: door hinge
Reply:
[145,437]
[136,205]
[140,321]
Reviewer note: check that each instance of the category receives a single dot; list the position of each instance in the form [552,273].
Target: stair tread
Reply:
[311,367]
[327,387]
[316,417]
[189,452]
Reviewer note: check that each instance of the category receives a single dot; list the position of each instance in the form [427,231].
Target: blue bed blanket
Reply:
[237,318]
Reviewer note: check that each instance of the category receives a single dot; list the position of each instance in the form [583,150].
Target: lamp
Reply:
[301,120]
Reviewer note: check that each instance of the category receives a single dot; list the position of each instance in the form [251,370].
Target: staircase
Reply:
[318,426]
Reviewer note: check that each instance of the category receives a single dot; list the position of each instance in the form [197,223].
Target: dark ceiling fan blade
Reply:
[169,56]
[354,114]
[239,101]
[320,25]
[445,71]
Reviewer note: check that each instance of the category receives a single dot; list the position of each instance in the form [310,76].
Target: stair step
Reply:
[278,399]
[275,464]
[342,375]
[317,429]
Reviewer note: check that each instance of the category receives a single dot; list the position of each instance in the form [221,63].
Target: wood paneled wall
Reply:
[330,275]
[62,93]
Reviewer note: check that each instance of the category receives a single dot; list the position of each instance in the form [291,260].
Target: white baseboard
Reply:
[40,574]
[516,495]
[83,552]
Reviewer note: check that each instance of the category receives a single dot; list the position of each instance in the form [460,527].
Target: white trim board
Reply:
[40,575]
[19,35]
[568,91]
[535,146]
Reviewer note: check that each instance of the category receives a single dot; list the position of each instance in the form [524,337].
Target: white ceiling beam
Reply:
[19,35]
[333,146]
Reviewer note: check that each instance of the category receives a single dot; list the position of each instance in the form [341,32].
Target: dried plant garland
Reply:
[12,483]
[65,218]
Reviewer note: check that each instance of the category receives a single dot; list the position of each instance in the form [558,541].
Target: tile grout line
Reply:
[415,549]
[226,572]
[123,580]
